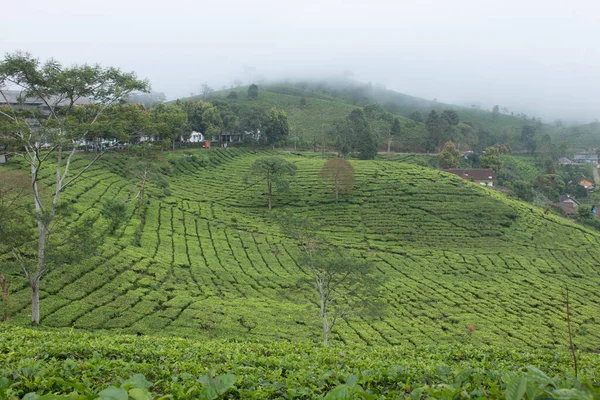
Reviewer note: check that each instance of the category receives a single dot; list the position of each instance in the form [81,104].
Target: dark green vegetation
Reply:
[312,108]
[587,135]
[462,264]
[68,361]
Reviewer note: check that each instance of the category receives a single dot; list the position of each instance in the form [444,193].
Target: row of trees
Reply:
[450,157]
[274,171]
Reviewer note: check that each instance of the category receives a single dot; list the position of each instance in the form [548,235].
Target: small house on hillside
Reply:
[586,158]
[482,176]
[565,161]
[586,183]
[568,204]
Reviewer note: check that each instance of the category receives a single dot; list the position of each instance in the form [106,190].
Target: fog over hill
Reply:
[536,57]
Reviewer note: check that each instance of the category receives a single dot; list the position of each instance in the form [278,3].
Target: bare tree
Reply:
[206,91]
[50,135]
[341,173]
[346,284]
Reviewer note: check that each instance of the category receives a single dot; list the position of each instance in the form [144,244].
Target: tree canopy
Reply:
[273,170]
[339,172]
[56,129]
[449,157]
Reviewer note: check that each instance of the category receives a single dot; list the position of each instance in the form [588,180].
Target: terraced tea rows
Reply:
[461,263]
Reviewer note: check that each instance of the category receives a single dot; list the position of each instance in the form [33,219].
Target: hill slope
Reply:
[310,121]
[461,263]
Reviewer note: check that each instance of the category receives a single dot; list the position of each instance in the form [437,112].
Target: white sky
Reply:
[538,57]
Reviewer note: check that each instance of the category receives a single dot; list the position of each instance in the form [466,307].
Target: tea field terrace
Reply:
[461,263]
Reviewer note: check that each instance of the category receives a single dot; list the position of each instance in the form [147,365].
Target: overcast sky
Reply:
[532,56]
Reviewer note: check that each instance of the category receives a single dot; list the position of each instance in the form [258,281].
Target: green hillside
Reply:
[461,263]
[583,136]
[502,127]
[310,121]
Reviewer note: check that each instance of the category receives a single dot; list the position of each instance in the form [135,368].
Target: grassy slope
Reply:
[583,136]
[309,122]
[401,104]
[454,255]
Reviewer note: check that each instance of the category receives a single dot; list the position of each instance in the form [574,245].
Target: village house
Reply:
[565,161]
[482,176]
[586,183]
[196,137]
[568,204]
[586,158]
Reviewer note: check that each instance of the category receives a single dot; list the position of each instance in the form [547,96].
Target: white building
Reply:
[196,137]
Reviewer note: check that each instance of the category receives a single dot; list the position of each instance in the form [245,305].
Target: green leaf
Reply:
[341,392]
[114,393]
[214,387]
[351,381]
[225,382]
[139,394]
[31,396]
[136,381]
[515,389]
[572,394]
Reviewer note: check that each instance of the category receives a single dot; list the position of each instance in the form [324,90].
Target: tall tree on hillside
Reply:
[364,140]
[206,90]
[211,120]
[449,157]
[253,91]
[342,137]
[435,130]
[346,285]
[169,122]
[528,137]
[341,173]
[144,167]
[274,171]
[495,112]
[394,132]
[228,117]
[449,121]
[491,159]
[277,126]
[51,138]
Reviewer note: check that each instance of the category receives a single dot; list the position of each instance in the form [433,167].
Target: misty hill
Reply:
[587,135]
[313,106]
[312,118]
[461,263]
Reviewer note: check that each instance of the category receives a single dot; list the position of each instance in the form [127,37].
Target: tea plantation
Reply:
[462,264]
[108,366]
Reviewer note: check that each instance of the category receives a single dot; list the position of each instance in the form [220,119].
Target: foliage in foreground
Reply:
[62,361]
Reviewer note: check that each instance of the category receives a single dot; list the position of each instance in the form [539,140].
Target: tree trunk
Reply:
[324,317]
[34,278]
[5,288]
[337,190]
[34,282]
[269,193]
[389,147]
